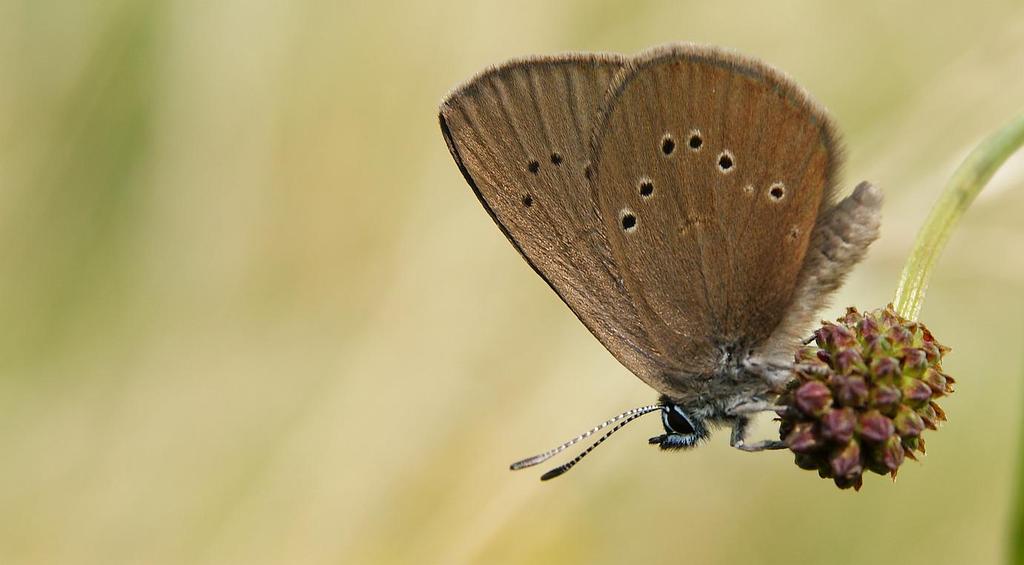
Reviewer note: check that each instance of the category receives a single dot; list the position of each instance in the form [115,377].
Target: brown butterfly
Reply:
[682,204]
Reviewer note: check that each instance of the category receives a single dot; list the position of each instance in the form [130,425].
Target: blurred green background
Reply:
[253,314]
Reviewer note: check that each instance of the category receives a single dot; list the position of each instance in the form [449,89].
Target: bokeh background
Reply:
[252,313]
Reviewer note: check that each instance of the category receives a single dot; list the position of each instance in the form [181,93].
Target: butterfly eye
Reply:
[676,421]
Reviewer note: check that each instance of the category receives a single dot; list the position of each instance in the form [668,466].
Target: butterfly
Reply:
[682,203]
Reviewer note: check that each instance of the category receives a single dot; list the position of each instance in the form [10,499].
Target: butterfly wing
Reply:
[520,134]
[710,171]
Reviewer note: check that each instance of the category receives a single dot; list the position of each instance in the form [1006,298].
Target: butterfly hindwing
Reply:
[711,251]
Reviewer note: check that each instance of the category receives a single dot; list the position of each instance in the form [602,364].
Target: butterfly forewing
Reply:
[710,252]
[520,134]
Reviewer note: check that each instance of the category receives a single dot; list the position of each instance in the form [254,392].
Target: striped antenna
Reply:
[621,420]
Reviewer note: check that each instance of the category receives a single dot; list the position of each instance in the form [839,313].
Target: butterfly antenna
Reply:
[620,420]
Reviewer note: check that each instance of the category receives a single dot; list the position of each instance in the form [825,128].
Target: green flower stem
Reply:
[960,191]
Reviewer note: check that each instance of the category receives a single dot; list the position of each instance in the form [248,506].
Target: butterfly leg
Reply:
[738,438]
[739,431]
[756,406]
[762,445]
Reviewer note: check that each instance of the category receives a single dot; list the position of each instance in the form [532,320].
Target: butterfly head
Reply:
[683,429]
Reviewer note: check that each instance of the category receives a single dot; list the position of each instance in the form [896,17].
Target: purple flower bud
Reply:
[900,337]
[875,427]
[802,439]
[916,392]
[936,381]
[908,423]
[886,398]
[842,338]
[867,328]
[876,465]
[915,362]
[847,361]
[837,425]
[813,398]
[893,453]
[850,391]
[928,416]
[876,347]
[807,462]
[845,483]
[932,353]
[885,368]
[845,462]
[821,335]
